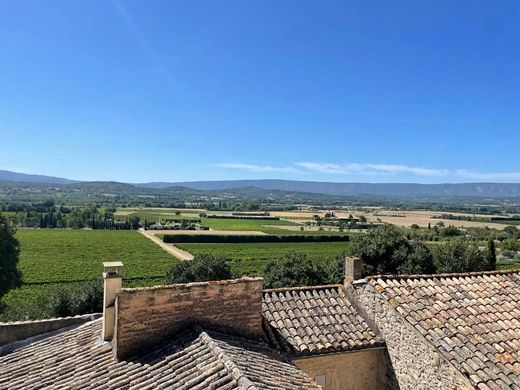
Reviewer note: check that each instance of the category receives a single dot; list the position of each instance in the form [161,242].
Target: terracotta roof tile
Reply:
[328,321]
[472,319]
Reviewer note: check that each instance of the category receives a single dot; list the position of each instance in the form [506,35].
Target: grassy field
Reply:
[267,226]
[49,258]
[154,216]
[73,255]
[251,258]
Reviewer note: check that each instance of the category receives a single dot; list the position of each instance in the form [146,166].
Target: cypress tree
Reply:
[491,255]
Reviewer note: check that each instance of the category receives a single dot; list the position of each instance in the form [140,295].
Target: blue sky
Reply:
[377,91]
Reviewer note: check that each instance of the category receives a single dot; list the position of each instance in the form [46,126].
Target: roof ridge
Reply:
[444,275]
[301,288]
[236,373]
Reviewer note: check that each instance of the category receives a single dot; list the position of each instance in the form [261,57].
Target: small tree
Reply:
[511,230]
[459,255]
[202,268]
[386,250]
[88,297]
[10,276]
[296,269]
[56,302]
[417,260]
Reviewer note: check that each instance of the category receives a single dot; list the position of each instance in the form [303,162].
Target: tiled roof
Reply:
[197,360]
[318,319]
[472,319]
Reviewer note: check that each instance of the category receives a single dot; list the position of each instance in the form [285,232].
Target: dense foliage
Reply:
[82,298]
[296,269]
[9,253]
[459,255]
[202,268]
[386,250]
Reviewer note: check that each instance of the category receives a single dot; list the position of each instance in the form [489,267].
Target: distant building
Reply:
[459,331]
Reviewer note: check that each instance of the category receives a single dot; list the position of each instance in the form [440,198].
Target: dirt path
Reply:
[170,248]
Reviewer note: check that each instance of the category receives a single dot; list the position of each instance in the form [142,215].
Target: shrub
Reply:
[56,303]
[509,254]
[202,268]
[64,301]
[385,250]
[511,244]
[451,231]
[296,269]
[88,298]
[459,255]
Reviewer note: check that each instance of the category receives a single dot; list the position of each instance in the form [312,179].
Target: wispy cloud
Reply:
[372,169]
[256,168]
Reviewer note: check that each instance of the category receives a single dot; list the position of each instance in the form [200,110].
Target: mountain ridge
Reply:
[316,187]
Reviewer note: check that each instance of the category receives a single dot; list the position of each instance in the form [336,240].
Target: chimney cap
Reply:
[113,269]
[107,264]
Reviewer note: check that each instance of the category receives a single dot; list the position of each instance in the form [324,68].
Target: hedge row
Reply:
[219,238]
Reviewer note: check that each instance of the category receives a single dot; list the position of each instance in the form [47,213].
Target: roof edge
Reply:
[443,275]
[243,279]
[301,288]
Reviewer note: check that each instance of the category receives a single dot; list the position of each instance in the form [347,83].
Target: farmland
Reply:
[251,258]
[266,226]
[229,224]
[156,216]
[50,257]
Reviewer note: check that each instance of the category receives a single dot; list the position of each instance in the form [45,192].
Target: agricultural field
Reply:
[421,218]
[53,255]
[251,258]
[50,257]
[155,216]
[266,226]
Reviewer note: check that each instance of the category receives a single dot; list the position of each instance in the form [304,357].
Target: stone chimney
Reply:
[113,278]
[147,316]
[353,269]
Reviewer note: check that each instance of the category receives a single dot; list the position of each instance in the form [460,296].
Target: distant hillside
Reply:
[394,190]
[24,177]
[382,189]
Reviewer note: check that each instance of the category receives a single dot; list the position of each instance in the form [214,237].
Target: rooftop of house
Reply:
[310,320]
[296,321]
[473,319]
[196,359]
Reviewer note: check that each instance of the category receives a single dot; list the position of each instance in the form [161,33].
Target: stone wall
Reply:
[416,363]
[146,316]
[347,371]
[16,331]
